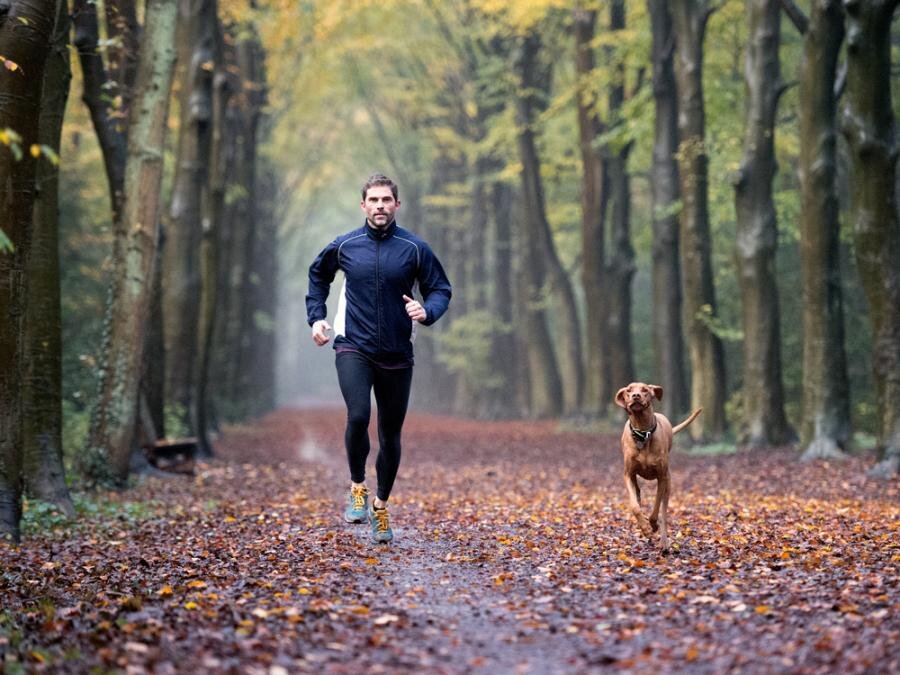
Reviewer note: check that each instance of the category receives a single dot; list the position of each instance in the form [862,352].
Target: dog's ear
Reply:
[620,397]
[657,391]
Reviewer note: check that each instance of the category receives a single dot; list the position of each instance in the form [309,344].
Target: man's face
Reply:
[380,206]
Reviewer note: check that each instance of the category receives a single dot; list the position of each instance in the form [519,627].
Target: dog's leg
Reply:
[654,516]
[634,503]
[662,500]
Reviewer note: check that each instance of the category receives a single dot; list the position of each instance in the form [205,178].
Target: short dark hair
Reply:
[379,180]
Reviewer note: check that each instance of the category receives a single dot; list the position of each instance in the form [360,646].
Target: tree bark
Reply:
[547,393]
[109,125]
[826,389]
[620,267]
[868,125]
[668,339]
[757,233]
[597,388]
[504,348]
[209,254]
[113,419]
[689,17]
[181,276]
[25,30]
[534,79]
[42,387]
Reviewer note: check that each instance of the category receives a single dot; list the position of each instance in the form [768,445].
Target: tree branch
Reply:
[796,15]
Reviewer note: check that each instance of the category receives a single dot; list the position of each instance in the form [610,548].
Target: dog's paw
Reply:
[654,523]
[644,524]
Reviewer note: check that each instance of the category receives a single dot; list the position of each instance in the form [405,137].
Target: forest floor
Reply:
[513,553]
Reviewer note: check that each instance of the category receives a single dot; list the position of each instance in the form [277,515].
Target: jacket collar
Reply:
[381,235]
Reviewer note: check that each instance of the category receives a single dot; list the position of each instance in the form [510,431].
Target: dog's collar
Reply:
[642,437]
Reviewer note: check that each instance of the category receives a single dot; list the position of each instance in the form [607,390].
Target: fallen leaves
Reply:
[513,551]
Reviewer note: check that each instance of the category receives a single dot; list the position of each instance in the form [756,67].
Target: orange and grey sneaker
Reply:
[357,504]
[381,525]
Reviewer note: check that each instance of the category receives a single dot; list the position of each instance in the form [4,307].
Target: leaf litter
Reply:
[514,553]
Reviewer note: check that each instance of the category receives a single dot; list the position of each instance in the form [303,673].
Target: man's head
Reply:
[379,200]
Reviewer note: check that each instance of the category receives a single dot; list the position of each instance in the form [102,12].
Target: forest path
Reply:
[513,553]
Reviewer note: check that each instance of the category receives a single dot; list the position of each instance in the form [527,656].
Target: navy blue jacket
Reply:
[379,267]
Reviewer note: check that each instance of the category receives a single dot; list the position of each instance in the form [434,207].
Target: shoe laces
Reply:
[358,494]
[381,518]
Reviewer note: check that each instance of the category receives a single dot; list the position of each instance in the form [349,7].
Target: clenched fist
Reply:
[414,309]
[320,332]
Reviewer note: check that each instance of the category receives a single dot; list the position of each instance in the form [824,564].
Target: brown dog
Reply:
[646,443]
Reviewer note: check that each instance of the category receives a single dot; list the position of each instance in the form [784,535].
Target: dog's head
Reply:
[637,396]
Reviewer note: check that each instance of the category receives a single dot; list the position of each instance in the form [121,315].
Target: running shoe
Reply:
[381,525]
[357,504]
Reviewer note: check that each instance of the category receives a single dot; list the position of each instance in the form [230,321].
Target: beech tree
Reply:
[825,428]
[705,349]
[112,433]
[668,338]
[757,233]
[25,31]
[42,385]
[868,124]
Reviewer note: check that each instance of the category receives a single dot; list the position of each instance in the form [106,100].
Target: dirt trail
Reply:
[513,553]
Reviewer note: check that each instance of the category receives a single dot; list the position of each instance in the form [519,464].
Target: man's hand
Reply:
[414,309]
[319,332]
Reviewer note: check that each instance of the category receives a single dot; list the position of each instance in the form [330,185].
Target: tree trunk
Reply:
[620,267]
[707,358]
[25,30]
[181,277]
[597,388]
[42,388]
[547,393]
[534,79]
[108,124]
[213,210]
[504,347]
[113,420]
[265,293]
[668,340]
[757,233]
[826,389]
[868,124]
[245,240]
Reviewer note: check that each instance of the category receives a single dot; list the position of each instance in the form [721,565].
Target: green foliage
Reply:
[93,510]
[6,246]
[466,348]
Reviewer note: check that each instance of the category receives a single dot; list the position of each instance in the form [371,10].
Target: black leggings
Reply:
[357,377]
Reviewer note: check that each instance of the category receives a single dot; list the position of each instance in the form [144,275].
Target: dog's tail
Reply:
[690,419]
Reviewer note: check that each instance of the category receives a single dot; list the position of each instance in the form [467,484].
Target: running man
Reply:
[374,330]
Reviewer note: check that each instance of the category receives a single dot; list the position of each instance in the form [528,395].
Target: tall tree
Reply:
[213,207]
[757,232]
[546,384]
[707,357]
[620,267]
[113,418]
[594,192]
[25,29]
[109,113]
[868,124]
[665,265]
[826,389]
[196,40]
[42,386]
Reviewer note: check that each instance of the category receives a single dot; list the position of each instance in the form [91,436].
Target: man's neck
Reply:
[379,228]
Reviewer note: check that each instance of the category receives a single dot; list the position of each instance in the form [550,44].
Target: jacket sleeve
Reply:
[321,274]
[434,286]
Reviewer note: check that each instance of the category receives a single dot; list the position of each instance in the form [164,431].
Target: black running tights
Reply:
[357,377]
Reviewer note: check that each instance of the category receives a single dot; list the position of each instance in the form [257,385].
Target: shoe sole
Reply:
[353,519]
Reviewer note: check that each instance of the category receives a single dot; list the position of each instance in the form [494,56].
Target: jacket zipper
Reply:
[378,289]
